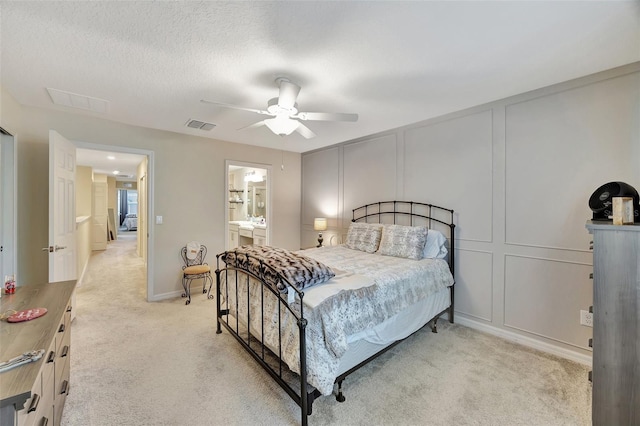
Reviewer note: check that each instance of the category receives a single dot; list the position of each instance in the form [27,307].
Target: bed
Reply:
[312,317]
[130,222]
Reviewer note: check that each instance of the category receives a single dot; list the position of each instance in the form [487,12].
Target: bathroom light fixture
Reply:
[111,157]
[252,176]
[116,172]
[320,224]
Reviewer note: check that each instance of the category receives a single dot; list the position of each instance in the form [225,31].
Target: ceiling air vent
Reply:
[74,100]
[202,125]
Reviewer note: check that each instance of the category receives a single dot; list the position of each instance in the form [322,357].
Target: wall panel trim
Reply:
[543,258]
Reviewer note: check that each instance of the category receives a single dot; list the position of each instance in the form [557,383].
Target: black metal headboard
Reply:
[409,213]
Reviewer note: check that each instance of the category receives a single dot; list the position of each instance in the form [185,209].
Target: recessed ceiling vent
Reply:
[74,100]
[202,125]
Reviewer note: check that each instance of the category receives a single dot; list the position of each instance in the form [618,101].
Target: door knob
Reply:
[49,249]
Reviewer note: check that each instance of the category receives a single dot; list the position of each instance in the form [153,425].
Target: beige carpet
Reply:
[139,363]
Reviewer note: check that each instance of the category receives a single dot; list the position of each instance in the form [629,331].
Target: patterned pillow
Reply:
[403,241]
[364,236]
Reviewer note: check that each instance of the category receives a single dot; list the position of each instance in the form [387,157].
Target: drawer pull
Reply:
[590,245]
[591,309]
[65,351]
[51,357]
[69,309]
[591,276]
[591,376]
[61,329]
[34,403]
[45,421]
[65,387]
[590,343]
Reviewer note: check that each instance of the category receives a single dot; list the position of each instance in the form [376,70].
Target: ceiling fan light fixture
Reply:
[275,108]
[281,125]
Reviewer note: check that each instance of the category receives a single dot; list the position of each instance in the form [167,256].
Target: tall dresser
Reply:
[616,323]
[34,393]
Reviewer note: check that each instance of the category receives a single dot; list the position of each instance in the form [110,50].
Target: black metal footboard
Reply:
[242,294]
[236,286]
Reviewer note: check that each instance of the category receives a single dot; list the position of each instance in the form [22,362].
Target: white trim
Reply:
[525,341]
[80,219]
[84,269]
[165,296]
[150,203]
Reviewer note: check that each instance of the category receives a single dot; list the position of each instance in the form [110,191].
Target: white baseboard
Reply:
[84,270]
[164,296]
[525,341]
[78,284]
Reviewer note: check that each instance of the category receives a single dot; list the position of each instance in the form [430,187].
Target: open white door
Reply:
[62,208]
[8,232]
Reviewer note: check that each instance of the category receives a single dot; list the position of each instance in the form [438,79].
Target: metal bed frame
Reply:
[296,386]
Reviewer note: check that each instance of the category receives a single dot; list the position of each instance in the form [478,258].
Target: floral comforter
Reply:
[386,285]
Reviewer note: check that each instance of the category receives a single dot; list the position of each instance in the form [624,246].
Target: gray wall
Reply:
[519,173]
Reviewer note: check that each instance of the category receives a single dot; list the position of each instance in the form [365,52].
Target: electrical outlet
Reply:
[586,318]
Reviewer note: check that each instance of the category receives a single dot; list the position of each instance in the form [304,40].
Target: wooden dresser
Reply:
[34,393]
[616,324]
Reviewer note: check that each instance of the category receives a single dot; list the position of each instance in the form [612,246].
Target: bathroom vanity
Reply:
[246,232]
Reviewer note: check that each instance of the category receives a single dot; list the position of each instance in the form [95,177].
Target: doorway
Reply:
[248,203]
[143,203]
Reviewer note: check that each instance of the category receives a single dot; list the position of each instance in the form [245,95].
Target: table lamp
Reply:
[320,224]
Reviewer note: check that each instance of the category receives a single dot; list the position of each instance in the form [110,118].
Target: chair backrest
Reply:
[199,258]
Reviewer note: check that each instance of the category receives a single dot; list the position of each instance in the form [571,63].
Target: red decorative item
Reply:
[27,315]
[9,285]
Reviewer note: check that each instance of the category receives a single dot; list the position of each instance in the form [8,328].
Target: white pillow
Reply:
[435,248]
[403,241]
[364,236]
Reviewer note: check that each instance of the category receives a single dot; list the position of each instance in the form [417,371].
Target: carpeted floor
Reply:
[139,363]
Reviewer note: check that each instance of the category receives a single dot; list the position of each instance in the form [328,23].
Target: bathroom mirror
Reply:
[257,198]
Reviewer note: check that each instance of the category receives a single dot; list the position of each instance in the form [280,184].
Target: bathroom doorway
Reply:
[248,204]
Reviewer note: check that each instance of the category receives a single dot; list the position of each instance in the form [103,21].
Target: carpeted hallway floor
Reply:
[139,363]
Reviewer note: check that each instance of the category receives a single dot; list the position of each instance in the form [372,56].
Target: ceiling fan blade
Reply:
[305,131]
[257,111]
[253,126]
[288,94]
[326,116]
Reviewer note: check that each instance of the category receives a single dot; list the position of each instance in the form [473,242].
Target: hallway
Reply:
[118,263]
[131,360]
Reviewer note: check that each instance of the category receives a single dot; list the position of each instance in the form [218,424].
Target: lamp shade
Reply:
[281,125]
[320,224]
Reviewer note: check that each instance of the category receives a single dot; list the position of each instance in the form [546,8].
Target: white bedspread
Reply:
[367,290]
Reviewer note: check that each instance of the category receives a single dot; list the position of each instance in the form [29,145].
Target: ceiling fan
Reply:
[285,114]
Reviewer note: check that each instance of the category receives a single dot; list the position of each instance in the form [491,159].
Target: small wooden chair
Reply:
[195,268]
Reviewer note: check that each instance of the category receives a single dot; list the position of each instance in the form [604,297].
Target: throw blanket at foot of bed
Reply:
[271,263]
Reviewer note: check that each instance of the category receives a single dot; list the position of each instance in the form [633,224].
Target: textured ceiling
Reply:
[107,162]
[393,63]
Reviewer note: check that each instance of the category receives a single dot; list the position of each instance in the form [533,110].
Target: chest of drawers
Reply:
[616,324]
[34,393]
